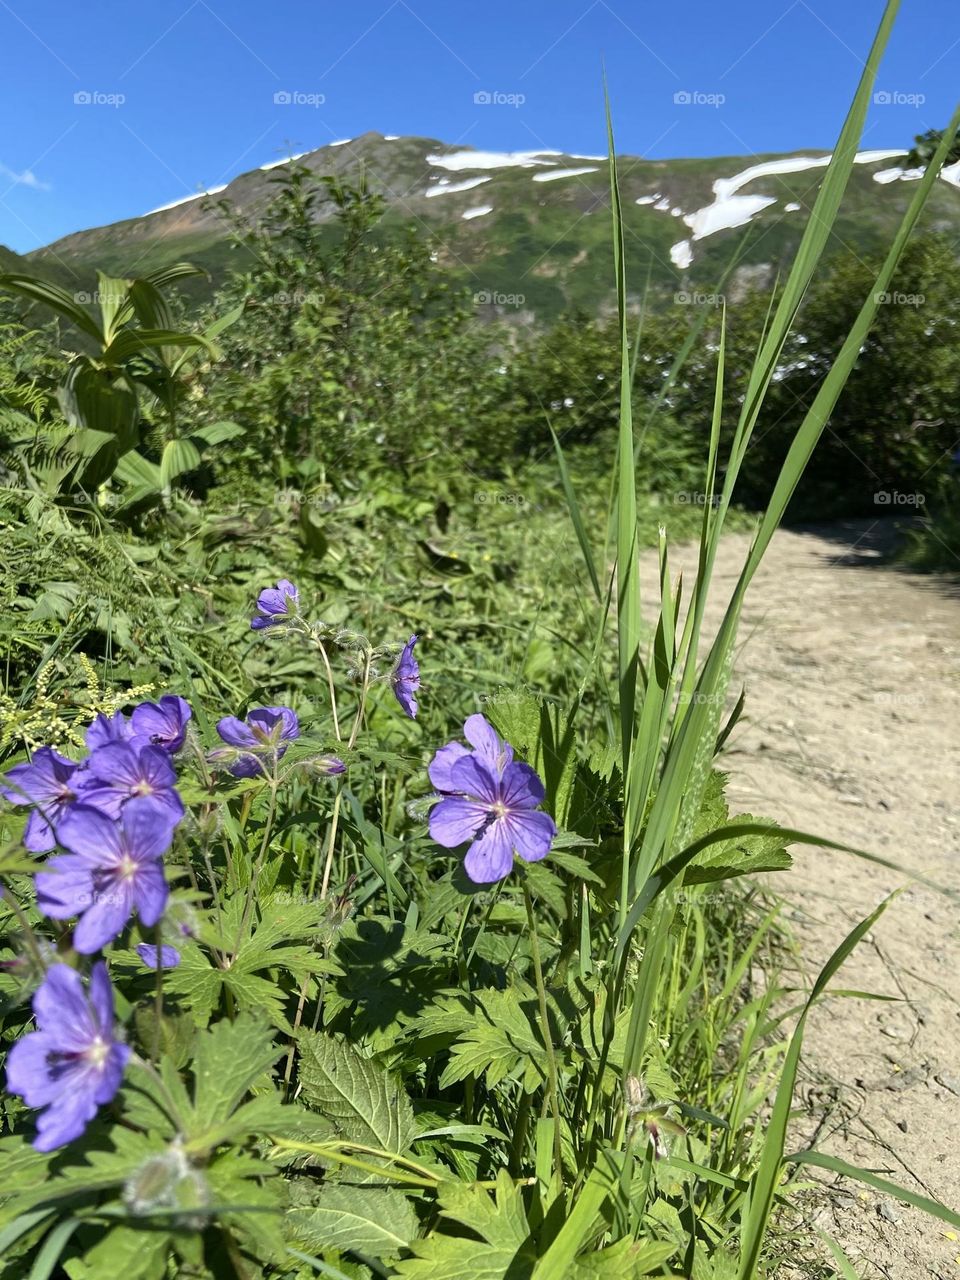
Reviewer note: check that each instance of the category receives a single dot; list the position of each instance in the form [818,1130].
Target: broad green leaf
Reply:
[375,1220]
[364,1101]
[179,457]
[218,432]
[52,295]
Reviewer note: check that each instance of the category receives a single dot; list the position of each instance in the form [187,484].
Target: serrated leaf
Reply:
[229,1058]
[366,1104]
[504,1248]
[374,1220]
[501,1038]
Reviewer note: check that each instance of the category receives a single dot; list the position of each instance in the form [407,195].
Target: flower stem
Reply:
[553,1088]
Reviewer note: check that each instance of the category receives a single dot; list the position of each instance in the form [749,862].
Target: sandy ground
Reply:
[852,731]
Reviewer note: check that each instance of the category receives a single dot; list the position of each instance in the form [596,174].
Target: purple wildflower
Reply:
[406,679]
[108,729]
[72,1064]
[491,800]
[112,870]
[329,766]
[487,745]
[262,739]
[50,783]
[120,771]
[162,724]
[169,956]
[276,605]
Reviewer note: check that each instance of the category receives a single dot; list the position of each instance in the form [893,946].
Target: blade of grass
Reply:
[766,1180]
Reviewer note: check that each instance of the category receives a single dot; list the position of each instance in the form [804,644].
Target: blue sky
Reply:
[184,90]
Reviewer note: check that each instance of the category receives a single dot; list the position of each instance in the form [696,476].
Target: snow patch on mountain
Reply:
[681,254]
[458,160]
[275,164]
[728,209]
[445,188]
[552,174]
[480,211]
[174,204]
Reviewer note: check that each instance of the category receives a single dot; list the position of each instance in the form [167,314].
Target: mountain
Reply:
[529,232]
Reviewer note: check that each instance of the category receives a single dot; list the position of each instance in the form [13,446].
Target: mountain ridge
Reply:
[521,225]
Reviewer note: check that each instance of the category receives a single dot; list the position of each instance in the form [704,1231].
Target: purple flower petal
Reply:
[90,834]
[162,724]
[72,1064]
[106,918]
[531,834]
[150,893]
[454,821]
[472,777]
[490,747]
[406,679]
[276,605]
[49,781]
[491,857]
[521,787]
[235,732]
[169,956]
[442,763]
[106,730]
[64,889]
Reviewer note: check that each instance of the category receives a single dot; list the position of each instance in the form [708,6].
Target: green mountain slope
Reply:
[529,233]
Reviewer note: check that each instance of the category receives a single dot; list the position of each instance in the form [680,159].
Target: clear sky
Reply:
[179,95]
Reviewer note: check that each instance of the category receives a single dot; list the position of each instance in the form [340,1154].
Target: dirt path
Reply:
[852,730]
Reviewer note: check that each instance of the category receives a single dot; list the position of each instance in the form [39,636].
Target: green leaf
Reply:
[135,1253]
[179,457]
[504,1247]
[230,1057]
[740,856]
[578,1228]
[134,469]
[377,1220]
[821,1160]
[52,295]
[501,1037]
[366,1103]
[218,432]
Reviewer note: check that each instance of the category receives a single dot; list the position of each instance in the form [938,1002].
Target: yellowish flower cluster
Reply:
[58,718]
